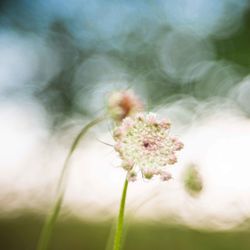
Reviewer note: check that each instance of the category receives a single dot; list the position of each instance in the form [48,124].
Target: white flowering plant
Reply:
[143,143]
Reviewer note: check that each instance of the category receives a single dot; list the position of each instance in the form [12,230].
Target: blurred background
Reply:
[189,60]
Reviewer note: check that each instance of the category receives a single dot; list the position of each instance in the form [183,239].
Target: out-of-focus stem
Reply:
[52,216]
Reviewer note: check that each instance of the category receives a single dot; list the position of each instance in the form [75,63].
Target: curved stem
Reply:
[52,217]
[120,220]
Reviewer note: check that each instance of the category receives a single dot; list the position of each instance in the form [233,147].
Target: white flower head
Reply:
[144,144]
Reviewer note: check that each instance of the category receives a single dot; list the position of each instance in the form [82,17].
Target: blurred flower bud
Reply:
[131,176]
[193,182]
[165,176]
[122,104]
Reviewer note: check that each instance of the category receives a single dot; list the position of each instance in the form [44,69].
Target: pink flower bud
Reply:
[122,104]
[172,159]
[165,176]
[151,118]
[178,145]
[118,147]
[127,165]
[148,173]
[117,133]
[165,124]
[131,176]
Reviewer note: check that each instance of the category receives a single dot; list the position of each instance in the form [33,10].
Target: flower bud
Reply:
[127,165]
[178,145]
[165,176]
[148,173]
[172,159]
[131,176]
[122,104]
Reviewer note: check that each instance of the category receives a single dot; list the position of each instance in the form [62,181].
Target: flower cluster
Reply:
[144,145]
[122,104]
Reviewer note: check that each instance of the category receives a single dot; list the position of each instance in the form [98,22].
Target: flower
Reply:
[122,104]
[144,144]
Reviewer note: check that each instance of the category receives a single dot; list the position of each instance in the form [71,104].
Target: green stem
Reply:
[52,217]
[120,220]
